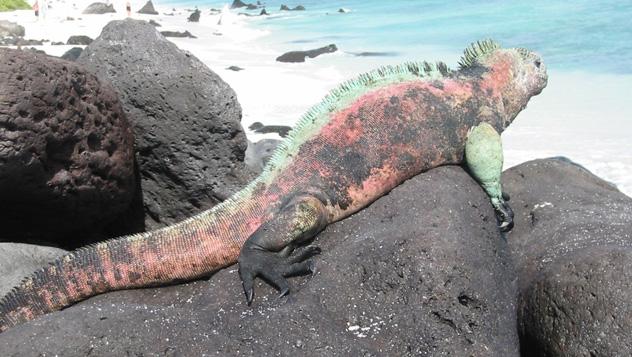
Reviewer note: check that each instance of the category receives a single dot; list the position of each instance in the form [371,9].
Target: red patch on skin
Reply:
[498,76]
[345,127]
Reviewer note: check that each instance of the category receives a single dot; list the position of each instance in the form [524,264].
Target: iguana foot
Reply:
[504,213]
[273,267]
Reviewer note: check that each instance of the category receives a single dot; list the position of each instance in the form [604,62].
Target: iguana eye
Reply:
[537,63]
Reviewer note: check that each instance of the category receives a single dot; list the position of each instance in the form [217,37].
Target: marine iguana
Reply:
[366,137]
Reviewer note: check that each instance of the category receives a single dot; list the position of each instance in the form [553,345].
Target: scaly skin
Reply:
[362,141]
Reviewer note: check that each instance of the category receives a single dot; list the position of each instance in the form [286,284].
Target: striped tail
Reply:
[189,250]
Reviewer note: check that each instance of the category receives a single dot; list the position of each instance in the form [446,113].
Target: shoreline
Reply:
[580,115]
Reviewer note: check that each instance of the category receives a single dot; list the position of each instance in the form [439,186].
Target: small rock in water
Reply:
[177,34]
[195,16]
[297,8]
[235,68]
[299,56]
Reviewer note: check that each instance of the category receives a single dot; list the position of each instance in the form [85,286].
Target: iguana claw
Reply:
[273,267]
[505,214]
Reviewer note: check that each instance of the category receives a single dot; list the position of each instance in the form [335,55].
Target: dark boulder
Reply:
[66,151]
[259,153]
[79,40]
[581,305]
[8,28]
[195,16]
[252,7]
[259,128]
[148,9]
[571,244]
[154,23]
[299,56]
[72,54]
[296,8]
[98,8]
[238,4]
[421,272]
[177,34]
[189,141]
[263,12]
[235,68]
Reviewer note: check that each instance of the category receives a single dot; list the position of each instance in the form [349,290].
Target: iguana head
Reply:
[514,74]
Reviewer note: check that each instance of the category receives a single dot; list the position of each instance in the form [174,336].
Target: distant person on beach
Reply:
[128,7]
[36,9]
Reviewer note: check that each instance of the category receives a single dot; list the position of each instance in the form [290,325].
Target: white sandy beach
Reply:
[585,117]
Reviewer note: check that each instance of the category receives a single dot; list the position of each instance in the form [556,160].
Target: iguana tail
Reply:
[189,250]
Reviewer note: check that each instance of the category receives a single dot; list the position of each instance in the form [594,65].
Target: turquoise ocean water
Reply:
[585,35]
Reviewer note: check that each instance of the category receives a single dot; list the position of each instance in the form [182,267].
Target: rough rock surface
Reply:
[98,8]
[571,244]
[72,54]
[79,40]
[8,28]
[148,9]
[20,260]
[66,150]
[258,153]
[189,141]
[580,306]
[299,56]
[422,271]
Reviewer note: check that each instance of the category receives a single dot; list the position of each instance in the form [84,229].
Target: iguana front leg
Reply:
[268,252]
[484,158]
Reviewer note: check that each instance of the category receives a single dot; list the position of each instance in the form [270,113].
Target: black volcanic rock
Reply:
[259,128]
[296,8]
[148,9]
[79,40]
[572,246]
[154,23]
[195,16]
[66,151]
[72,54]
[98,8]
[423,271]
[177,34]
[238,4]
[189,141]
[299,56]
